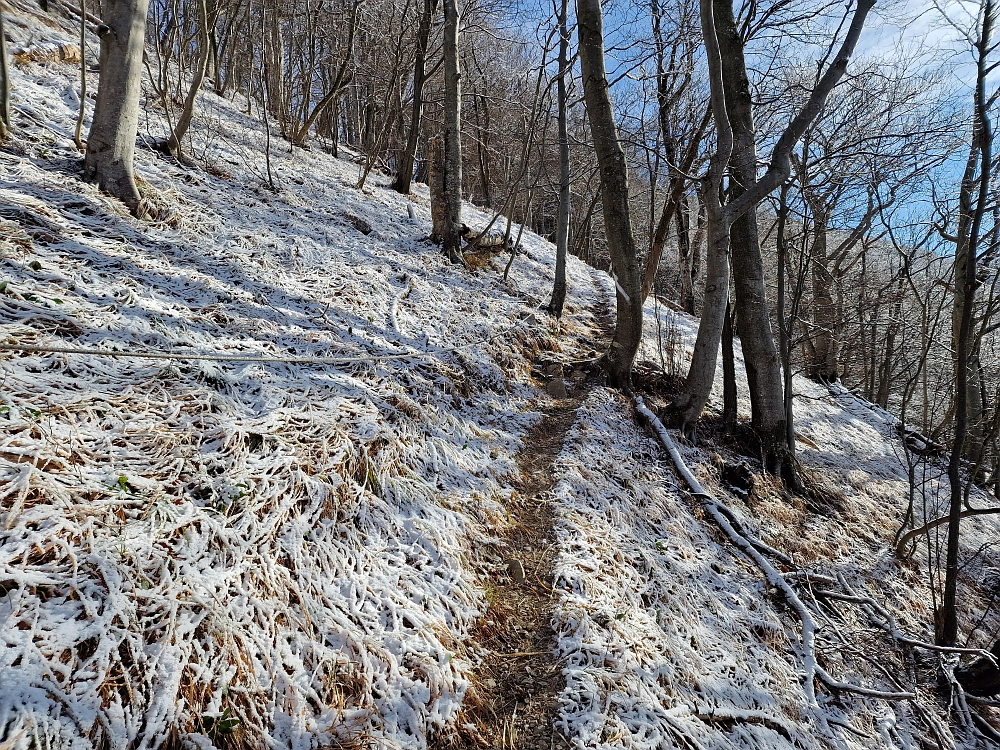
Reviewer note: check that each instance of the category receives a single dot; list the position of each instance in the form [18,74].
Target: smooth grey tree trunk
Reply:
[111,144]
[173,144]
[701,374]
[753,319]
[562,221]
[404,174]
[452,134]
[4,84]
[617,362]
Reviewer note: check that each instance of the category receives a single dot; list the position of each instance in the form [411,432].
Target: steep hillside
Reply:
[305,547]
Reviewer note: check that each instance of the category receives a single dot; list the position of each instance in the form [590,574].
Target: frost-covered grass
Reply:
[243,554]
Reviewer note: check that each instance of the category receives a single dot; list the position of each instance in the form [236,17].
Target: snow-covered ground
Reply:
[286,554]
[672,638]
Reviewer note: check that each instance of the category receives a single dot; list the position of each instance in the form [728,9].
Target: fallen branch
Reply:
[807,636]
[761,546]
[888,622]
[901,547]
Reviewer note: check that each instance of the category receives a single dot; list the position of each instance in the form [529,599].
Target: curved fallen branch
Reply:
[807,636]
[903,544]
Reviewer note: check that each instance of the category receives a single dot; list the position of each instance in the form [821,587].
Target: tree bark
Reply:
[617,362]
[82,111]
[562,221]
[824,360]
[4,84]
[786,322]
[173,144]
[685,261]
[760,355]
[701,374]
[404,174]
[698,386]
[111,143]
[452,134]
[435,181]
[730,405]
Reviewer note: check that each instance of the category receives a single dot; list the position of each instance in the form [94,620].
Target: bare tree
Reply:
[4,84]
[111,144]
[173,144]
[404,172]
[973,208]
[617,362]
[82,111]
[452,133]
[300,133]
[692,400]
[565,176]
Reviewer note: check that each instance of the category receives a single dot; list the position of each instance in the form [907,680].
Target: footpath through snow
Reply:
[250,554]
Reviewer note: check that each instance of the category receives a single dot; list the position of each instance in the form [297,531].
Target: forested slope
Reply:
[293,553]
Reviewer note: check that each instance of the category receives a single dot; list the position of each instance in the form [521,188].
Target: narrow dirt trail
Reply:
[514,702]
[519,683]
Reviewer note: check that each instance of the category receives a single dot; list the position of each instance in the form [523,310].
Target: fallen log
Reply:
[47,52]
[494,242]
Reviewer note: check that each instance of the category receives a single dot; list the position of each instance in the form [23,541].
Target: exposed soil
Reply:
[519,683]
[515,697]
[514,700]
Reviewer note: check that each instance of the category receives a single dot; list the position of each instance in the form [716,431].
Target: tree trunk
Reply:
[173,144]
[979,155]
[730,405]
[684,254]
[974,441]
[481,107]
[562,222]
[452,134]
[111,144]
[435,181]
[824,362]
[4,84]
[82,111]
[274,64]
[404,174]
[885,369]
[786,322]
[701,374]
[763,366]
[617,362]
